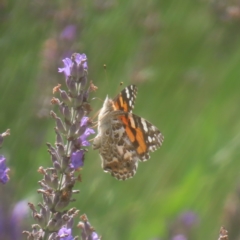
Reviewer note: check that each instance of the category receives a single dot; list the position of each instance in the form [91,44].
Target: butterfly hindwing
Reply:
[143,135]
[117,151]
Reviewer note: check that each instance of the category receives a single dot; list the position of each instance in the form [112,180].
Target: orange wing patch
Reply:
[142,148]
[128,130]
[119,104]
[115,106]
[135,135]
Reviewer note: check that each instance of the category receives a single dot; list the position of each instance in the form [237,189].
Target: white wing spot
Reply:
[152,148]
[149,139]
[132,122]
[144,125]
[130,103]
[127,92]
[120,149]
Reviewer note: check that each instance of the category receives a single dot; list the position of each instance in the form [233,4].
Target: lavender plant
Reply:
[54,220]
[3,168]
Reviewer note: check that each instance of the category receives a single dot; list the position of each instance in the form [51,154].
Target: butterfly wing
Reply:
[143,135]
[125,100]
[118,154]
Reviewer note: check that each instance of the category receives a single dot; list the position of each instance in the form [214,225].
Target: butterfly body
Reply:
[124,138]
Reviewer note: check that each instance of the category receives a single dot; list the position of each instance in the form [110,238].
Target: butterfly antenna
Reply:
[105,71]
[119,88]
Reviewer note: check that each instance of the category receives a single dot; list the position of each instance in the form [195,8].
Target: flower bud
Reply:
[65,98]
[59,138]
[83,80]
[60,149]
[67,114]
[79,100]
[65,162]
[80,114]
[44,211]
[85,96]
[71,84]
[47,199]
[59,123]
[56,222]
[47,178]
[57,166]
[62,199]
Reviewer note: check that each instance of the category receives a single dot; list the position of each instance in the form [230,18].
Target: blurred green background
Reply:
[184,56]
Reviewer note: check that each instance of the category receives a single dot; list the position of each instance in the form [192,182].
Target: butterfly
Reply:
[124,138]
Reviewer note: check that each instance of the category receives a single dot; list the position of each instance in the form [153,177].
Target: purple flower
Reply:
[20,211]
[87,230]
[13,220]
[189,218]
[94,236]
[65,233]
[19,214]
[86,132]
[67,67]
[3,170]
[179,237]
[80,59]
[69,32]
[83,138]
[77,159]
[84,122]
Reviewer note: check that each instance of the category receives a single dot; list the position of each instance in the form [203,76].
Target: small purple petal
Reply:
[179,237]
[69,32]
[18,216]
[65,233]
[77,159]
[84,121]
[89,131]
[83,138]
[83,141]
[67,67]
[94,236]
[189,218]
[20,211]
[81,59]
[3,170]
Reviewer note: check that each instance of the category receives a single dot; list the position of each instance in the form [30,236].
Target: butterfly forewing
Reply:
[125,100]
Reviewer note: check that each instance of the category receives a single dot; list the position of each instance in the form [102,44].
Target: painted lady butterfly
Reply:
[123,138]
